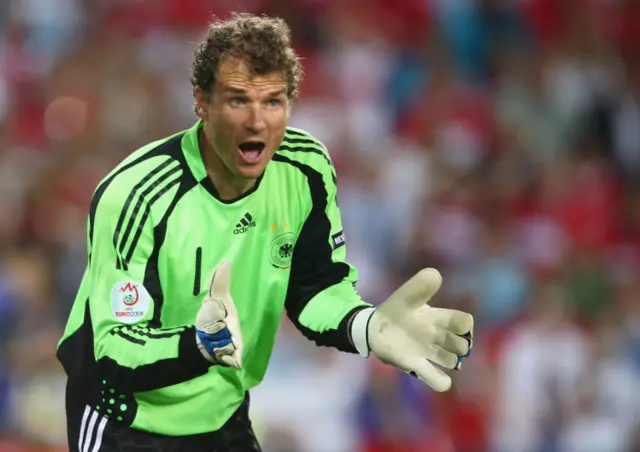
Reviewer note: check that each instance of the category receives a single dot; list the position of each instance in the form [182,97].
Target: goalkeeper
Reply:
[164,340]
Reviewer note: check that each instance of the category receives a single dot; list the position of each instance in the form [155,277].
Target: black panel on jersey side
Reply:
[76,354]
[312,268]
[88,379]
[84,385]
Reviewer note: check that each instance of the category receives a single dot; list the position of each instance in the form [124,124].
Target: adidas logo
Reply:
[244,224]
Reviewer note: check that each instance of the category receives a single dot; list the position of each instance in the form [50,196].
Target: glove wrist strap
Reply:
[205,353]
[360,331]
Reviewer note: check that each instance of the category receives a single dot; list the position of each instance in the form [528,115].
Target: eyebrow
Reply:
[278,92]
[236,90]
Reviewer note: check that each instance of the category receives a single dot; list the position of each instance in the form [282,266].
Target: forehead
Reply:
[235,73]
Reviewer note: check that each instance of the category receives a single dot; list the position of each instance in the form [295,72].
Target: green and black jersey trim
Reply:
[164,148]
[160,185]
[298,141]
[313,269]
[153,180]
[119,331]
[152,273]
[90,379]
[172,171]
[139,335]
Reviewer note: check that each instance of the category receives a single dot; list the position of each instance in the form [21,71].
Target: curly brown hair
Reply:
[263,42]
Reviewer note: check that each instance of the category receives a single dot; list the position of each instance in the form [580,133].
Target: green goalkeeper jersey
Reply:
[156,231]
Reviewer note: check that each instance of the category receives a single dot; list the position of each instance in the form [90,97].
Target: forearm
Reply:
[133,358]
[326,318]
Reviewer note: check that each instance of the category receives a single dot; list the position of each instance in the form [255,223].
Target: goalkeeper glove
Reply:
[217,325]
[404,331]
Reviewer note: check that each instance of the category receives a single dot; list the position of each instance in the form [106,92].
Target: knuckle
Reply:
[215,327]
[440,338]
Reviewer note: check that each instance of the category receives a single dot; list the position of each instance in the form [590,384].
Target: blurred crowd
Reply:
[496,140]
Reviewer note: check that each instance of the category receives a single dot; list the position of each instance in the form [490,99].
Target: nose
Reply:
[255,123]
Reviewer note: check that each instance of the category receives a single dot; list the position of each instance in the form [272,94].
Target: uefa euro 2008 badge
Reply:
[129,302]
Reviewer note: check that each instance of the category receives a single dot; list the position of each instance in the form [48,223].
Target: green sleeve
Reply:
[124,290]
[322,297]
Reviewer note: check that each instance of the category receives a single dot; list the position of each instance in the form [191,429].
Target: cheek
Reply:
[278,124]
[225,122]
[222,136]
[276,137]
[227,118]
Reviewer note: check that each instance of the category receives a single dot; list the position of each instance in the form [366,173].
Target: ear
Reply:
[202,99]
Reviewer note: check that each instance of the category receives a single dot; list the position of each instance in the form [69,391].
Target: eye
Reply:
[274,102]
[237,101]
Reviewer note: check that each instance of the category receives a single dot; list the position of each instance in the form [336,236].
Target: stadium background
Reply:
[498,140]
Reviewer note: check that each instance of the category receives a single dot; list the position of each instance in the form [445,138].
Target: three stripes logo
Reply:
[244,224]
[91,430]
[137,208]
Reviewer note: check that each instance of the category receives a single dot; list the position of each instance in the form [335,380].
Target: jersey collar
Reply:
[191,150]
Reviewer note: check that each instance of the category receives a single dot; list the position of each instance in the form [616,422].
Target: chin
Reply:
[250,172]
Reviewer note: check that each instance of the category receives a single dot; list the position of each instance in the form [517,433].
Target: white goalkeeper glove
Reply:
[404,331]
[217,325]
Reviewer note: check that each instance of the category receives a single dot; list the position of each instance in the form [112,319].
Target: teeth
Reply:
[251,155]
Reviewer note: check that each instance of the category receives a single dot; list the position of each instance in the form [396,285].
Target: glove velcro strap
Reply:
[212,342]
[360,331]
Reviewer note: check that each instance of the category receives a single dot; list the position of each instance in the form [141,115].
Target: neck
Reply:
[228,185]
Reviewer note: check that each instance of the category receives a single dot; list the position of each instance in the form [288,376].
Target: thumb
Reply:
[221,281]
[419,289]
[232,360]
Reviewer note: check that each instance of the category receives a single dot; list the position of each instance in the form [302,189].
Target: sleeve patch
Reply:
[338,240]
[130,302]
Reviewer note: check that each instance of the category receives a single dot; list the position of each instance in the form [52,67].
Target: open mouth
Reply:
[251,150]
